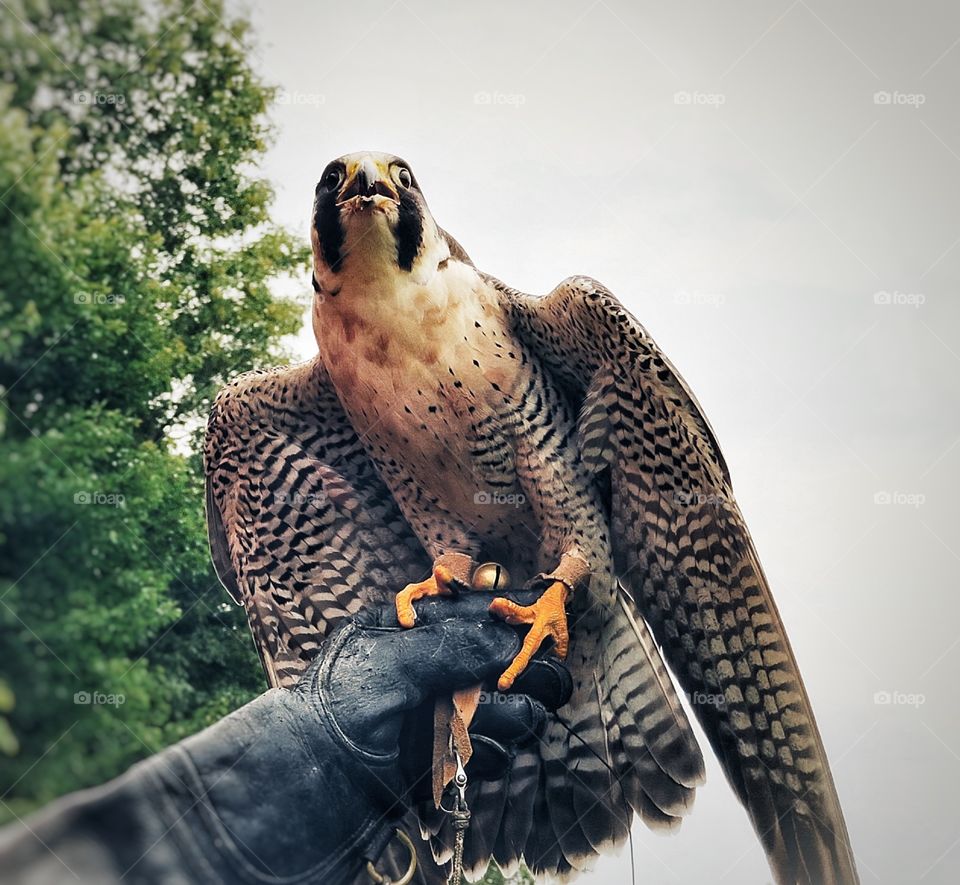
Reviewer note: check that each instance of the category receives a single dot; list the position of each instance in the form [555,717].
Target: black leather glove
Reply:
[503,722]
[299,785]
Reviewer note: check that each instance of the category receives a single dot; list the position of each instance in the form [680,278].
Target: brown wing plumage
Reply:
[683,549]
[302,529]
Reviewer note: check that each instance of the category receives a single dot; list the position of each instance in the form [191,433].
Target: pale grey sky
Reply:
[773,188]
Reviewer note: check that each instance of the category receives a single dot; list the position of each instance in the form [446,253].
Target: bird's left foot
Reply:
[548,620]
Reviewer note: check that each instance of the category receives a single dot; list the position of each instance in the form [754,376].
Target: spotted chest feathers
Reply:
[428,375]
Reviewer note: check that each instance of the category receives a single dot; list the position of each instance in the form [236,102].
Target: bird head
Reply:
[370,218]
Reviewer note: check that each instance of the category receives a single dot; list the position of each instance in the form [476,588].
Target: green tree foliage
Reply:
[495,877]
[137,273]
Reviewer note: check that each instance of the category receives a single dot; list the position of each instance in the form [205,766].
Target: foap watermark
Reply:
[500,499]
[709,99]
[300,499]
[899,299]
[910,99]
[714,700]
[294,98]
[700,299]
[98,298]
[102,499]
[899,699]
[696,499]
[500,700]
[102,99]
[899,499]
[510,99]
[99,699]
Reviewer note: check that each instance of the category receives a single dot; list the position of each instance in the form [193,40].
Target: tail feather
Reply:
[586,769]
[562,781]
[542,851]
[662,754]
[666,729]
[635,796]
[486,814]
[521,790]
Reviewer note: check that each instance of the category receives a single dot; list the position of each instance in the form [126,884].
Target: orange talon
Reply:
[438,584]
[547,618]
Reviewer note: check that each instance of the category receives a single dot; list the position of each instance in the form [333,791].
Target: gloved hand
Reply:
[302,784]
[375,683]
[502,723]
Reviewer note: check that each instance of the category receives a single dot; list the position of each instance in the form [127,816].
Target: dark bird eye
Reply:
[332,178]
[404,177]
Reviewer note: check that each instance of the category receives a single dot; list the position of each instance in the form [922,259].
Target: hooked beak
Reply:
[367,184]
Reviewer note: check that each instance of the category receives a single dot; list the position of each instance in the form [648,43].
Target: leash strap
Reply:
[461,820]
[451,719]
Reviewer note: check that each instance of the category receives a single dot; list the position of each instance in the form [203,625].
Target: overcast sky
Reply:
[773,188]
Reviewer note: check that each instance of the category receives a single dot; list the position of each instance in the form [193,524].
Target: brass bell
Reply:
[491,577]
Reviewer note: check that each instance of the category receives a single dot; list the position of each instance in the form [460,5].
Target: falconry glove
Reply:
[303,785]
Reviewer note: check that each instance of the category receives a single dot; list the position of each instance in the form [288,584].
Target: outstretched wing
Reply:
[302,529]
[683,549]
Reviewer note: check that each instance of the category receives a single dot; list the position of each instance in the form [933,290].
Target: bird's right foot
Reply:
[438,584]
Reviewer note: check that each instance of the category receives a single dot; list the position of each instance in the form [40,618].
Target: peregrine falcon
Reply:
[449,419]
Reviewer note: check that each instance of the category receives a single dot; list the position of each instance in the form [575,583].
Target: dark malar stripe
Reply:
[409,231]
[327,222]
